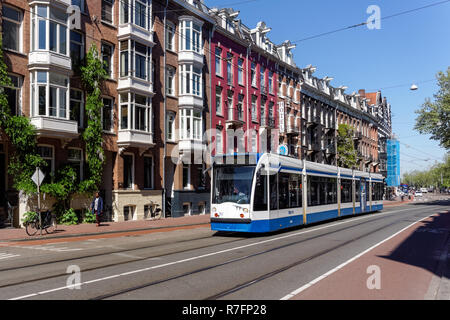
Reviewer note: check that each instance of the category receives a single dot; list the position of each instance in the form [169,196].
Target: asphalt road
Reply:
[197,264]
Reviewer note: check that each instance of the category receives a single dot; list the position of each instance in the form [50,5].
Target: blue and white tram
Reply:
[267,192]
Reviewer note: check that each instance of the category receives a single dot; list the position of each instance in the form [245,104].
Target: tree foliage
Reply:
[434,116]
[438,176]
[347,155]
[93,74]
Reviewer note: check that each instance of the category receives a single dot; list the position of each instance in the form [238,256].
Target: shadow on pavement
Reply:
[424,246]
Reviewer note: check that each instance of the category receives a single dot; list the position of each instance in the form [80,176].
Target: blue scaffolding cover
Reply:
[393,163]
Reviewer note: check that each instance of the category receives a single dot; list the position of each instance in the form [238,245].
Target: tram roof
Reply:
[291,164]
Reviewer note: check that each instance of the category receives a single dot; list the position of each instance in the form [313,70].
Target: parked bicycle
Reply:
[48,223]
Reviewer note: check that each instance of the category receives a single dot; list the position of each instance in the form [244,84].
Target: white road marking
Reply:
[126,255]
[311,283]
[209,254]
[51,248]
[8,255]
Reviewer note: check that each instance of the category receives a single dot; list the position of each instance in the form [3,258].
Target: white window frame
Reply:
[80,161]
[170,36]
[48,158]
[132,106]
[195,124]
[230,71]
[191,82]
[253,74]
[219,101]
[20,23]
[170,123]
[254,108]
[218,61]
[241,71]
[170,81]
[36,17]
[35,85]
[190,29]
[113,4]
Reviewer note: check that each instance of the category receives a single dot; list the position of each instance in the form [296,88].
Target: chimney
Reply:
[362,93]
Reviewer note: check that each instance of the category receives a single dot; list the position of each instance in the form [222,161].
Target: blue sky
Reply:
[408,49]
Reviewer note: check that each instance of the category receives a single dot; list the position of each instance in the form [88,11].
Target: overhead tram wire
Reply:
[365,23]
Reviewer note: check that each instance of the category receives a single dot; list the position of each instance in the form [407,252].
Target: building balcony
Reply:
[235,117]
[191,57]
[264,90]
[191,145]
[46,59]
[131,83]
[134,138]
[267,122]
[358,136]
[55,127]
[293,130]
[135,32]
[331,149]
[190,101]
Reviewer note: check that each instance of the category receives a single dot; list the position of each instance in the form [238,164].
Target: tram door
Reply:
[363,195]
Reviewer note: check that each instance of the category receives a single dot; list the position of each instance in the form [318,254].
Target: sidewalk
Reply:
[106,228]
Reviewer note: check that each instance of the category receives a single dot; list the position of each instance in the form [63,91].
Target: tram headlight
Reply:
[242,215]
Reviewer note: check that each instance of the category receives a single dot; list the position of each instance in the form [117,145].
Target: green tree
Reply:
[347,155]
[92,75]
[434,116]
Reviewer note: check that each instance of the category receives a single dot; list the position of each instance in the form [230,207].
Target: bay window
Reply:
[135,11]
[49,29]
[135,112]
[50,91]
[191,124]
[190,80]
[135,56]
[190,36]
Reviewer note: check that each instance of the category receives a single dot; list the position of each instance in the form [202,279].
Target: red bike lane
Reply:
[401,268]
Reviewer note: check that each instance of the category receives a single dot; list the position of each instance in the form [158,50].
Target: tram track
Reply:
[228,291]
[105,265]
[261,277]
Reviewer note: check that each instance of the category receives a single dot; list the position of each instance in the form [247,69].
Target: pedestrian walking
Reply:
[97,207]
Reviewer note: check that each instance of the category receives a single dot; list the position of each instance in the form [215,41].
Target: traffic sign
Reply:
[38,177]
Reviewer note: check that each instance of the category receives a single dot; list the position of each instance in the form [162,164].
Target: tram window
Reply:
[273,191]
[283,190]
[358,190]
[331,184]
[313,191]
[295,191]
[260,196]
[346,191]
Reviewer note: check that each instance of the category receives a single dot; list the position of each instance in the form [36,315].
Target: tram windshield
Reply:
[233,184]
